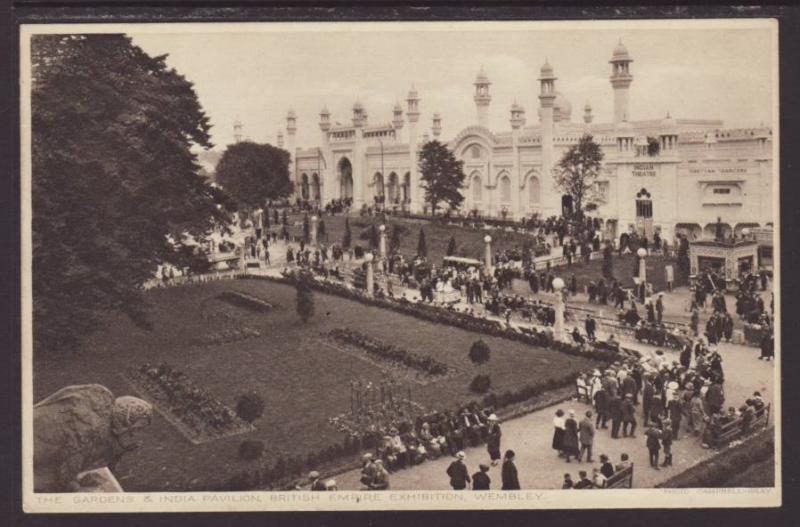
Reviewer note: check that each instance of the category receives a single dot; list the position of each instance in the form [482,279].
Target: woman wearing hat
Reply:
[493,442]
[558,432]
[570,444]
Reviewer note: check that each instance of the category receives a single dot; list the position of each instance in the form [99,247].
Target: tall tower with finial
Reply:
[437,125]
[587,114]
[291,130]
[237,131]
[517,121]
[621,80]
[547,95]
[280,139]
[397,118]
[323,152]
[359,115]
[482,97]
[412,112]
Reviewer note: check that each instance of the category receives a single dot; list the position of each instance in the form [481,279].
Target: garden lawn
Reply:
[469,241]
[302,381]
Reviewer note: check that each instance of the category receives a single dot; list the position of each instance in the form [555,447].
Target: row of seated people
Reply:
[734,422]
[433,436]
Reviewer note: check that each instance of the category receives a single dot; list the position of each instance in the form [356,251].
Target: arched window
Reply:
[475,152]
[505,189]
[534,190]
[477,188]
[304,186]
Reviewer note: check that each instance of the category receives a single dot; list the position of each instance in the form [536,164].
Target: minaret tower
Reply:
[517,121]
[587,114]
[482,98]
[621,80]
[237,131]
[280,139]
[437,125]
[291,130]
[412,112]
[547,95]
[323,153]
[397,119]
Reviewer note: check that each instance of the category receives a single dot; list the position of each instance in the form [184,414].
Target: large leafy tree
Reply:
[253,173]
[577,171]
[442,175]
[116,187]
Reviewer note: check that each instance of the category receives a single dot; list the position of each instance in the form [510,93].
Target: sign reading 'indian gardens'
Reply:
[644,169]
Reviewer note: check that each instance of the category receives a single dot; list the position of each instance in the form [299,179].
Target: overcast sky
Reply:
[256,74]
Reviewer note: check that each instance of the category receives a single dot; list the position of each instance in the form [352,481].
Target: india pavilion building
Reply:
[666,174]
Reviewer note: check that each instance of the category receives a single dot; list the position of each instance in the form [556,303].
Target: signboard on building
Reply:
[644,169]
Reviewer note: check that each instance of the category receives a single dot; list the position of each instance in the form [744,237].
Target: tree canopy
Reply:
[442,175]
[253,173]
[116,187]
[577,171]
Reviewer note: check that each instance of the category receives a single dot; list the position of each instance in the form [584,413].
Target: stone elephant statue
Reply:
[80,428]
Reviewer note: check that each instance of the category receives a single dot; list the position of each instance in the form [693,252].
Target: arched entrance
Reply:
[378,187]
[345,179]
[406,188]
[304,187]
[393,188]
[315,190]
[644,214]
[566,205]
[534,191]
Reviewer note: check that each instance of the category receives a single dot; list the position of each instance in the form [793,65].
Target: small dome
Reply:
[291,114]
[563,106]
[398,108]
[358,106]
[412,93]
[668,122]
[516,107]
[437,117]
[587,108]
[324,111]
[547,70]
[482,78]
[620,52]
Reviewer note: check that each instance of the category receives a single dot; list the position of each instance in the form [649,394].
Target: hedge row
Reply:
[464,321]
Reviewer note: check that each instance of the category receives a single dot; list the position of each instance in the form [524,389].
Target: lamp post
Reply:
[488,255]
[641,253]
[558,286]
[370,274]
[382,230]
[314,220]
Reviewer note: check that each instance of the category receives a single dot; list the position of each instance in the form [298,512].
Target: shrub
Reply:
[305,300]
[480,384]
[249,406]
[251,449]
[451,246]
[479,352]
[240,481]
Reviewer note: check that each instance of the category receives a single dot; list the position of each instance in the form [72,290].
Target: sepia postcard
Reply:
[400,265]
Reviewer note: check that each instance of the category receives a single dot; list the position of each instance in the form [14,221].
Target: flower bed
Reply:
[245,301]
[193,411]
[226,336]
[454,318]
[389,352]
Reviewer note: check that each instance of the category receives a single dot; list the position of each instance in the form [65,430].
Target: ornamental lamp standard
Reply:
[314,220]
[382,230]
[488,255]
[641,253]
[370,274]
[558,286]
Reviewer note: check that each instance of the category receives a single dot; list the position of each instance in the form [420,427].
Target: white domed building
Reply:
[659,174]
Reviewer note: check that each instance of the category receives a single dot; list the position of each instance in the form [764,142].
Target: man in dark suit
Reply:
[459,477]
[509,472]
[615,412]
[591,327]
[628,416]
[481,480]
[647,398]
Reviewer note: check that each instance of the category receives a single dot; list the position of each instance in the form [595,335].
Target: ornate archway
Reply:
[315,189]
[345,179]
[304,187]
[534,190]
[393,193]
[644,214]
[505,189]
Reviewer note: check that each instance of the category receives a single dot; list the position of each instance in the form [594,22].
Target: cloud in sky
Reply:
[256,75]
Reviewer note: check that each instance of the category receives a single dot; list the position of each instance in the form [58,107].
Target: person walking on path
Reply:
[615,412]
[660,307]
[558,432]
[653,442]
[481,480]
[586,436]
[493,440]
[601,406]
[666,442]
[628,412]
[571,446]
[459,477]
[509,472]
[675,414]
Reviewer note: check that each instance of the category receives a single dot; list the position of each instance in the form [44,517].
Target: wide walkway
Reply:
[539,467]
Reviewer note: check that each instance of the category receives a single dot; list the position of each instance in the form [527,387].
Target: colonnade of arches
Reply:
[505,191]
[310,187]
[394,190]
